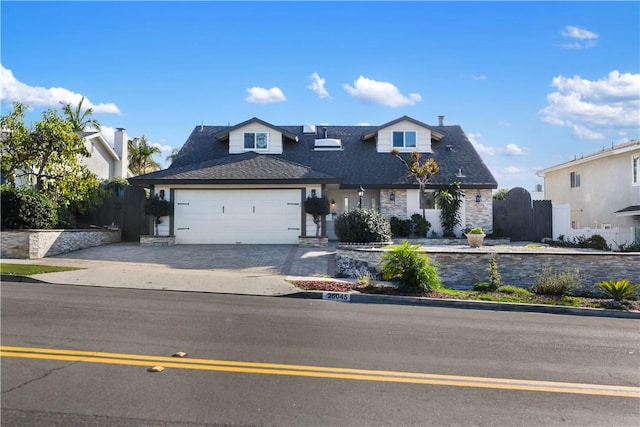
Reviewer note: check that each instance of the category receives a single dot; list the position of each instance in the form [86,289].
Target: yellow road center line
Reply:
[318,371]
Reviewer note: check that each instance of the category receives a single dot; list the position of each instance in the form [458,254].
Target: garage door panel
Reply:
[237,216]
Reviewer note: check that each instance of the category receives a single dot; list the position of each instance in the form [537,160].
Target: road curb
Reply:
[16,278]
[360,298]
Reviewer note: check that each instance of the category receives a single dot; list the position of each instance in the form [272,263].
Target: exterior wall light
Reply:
[392,197]
[478,197]
[360,194]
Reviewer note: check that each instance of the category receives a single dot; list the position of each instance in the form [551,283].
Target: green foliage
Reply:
[633,247]
[400,227]
[157,207]
[24,208]
[594,242]
[513,290]
[619,290]
[481,287]
[317,207]
[501,194]
[450,201]
[476,230]
[410,269]
[365,279]
[494,274]
[362,226]
[552,282]
[80,120]
[420,225]
[48,157]
[141,156]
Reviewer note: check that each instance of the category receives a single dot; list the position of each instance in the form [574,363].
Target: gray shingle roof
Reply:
[206,159]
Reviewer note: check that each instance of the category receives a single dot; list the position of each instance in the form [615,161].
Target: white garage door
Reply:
[237,216]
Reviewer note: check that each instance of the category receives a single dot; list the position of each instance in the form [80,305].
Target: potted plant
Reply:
[157,208]
[475,237]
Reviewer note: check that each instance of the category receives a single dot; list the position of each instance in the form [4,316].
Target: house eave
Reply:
[168,182]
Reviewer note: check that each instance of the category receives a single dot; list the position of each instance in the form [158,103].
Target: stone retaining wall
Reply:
[464,267]
[157,240]
[33,244]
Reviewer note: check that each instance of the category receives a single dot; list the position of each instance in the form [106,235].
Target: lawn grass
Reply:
[29,269]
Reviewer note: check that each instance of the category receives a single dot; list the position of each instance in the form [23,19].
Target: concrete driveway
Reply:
[206,268]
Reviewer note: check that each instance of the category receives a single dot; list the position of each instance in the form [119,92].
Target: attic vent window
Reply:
[327,144]
[309,129]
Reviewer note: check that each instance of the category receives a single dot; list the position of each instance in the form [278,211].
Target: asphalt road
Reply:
[79,356]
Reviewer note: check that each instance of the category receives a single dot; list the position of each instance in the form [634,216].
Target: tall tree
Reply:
[141,156]
[80,120]
[422,172]
[47,156]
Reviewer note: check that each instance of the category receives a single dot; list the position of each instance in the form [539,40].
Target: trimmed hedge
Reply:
[362,226]
[24,208]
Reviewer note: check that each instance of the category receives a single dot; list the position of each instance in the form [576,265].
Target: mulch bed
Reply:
[339,286]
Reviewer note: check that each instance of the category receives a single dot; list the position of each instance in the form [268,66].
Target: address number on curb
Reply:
[336,296]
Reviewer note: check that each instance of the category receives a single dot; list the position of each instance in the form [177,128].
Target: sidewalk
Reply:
[195,268]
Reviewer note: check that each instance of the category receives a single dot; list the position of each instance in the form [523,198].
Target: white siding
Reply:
[385,138]
[236,139]
[100,162]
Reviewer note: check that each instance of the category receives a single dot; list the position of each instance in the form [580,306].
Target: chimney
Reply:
[120,141]
[440,120]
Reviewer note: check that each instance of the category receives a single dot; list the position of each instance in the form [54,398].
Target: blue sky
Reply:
[532,83]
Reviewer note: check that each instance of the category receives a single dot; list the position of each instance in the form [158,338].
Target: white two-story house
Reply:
[602,188]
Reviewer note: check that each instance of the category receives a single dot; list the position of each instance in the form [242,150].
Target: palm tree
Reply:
[141,156]
[171,157]
[80,120]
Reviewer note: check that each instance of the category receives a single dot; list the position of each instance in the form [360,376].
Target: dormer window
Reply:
[405,139]
[256,140]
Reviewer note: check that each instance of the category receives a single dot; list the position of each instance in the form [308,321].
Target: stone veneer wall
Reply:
[466,267]
[397,208]
[33,244]
[479,214]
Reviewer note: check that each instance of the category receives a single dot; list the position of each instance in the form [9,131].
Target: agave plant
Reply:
[618,290]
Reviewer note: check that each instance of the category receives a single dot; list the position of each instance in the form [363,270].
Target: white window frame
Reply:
[404,139]
[574,179]
[255,139]
[635,170]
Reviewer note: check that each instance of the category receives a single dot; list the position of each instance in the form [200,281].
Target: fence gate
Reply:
[520,219]
[125,210]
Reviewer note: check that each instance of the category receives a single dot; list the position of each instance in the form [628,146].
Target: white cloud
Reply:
[480,148]
[161,147]
[581,38]
[317,85]
[591,107]
[514,150]
[512,170]
[14,90]
[383,93]
[260,95]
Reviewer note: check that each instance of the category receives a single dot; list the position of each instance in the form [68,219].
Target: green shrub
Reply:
[476,230]
[481,287]
[362,226]
[420,225]
[558,283]
[494,274]
[23,208]
[400,227]
[619,290]
[410,269]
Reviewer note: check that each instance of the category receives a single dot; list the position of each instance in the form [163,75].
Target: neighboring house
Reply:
[602,189]
[106,161]
[247,183]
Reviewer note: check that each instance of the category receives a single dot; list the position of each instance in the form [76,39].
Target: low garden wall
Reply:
[32,244]
[463,267]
